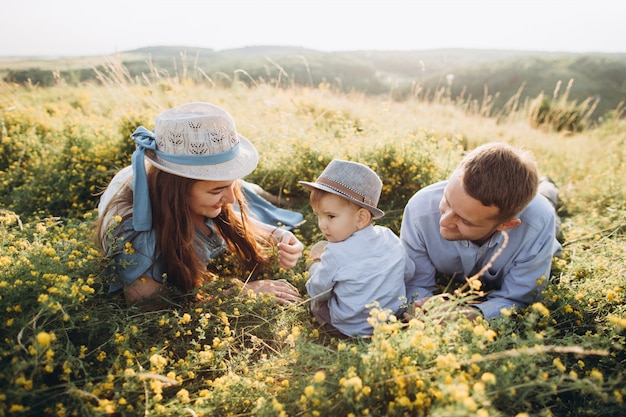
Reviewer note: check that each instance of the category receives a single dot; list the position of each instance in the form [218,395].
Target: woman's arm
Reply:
[141,289]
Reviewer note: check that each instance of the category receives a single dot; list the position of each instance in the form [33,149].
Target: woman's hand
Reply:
[142,289]
[289,248]
[284,292]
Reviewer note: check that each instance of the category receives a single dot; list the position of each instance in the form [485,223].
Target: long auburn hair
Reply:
[175,231]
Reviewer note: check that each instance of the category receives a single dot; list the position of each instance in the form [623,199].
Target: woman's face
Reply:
[206,199]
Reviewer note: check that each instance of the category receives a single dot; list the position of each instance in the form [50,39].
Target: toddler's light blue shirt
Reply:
[367,267]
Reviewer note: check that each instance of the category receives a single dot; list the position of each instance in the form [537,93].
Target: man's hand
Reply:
[440,307]
[415,307]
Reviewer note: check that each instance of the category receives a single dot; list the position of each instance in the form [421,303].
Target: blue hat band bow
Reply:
[144,140]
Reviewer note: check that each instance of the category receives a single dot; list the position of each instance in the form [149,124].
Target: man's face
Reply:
[463,217]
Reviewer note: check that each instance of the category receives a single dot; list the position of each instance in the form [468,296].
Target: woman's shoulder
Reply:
[123,177]
[122,237]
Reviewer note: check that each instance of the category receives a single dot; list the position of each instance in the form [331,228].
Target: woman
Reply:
[161,222]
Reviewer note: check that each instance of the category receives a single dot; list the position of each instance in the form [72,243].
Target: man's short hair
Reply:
[497,174]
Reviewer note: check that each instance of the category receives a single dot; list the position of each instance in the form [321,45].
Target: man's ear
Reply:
[508,225]
[364,217]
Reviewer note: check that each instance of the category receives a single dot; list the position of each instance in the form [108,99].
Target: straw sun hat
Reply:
[206,132]
[195,140]
[352,181]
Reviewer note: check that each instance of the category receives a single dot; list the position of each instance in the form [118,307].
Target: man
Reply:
[455,227]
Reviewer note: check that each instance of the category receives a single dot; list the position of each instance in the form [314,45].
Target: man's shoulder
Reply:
[436,186]
[538,214]
[539,207]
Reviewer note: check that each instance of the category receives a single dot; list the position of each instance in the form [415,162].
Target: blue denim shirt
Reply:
[143,258]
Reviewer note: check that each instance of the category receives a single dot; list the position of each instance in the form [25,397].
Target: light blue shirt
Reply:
[513,278]
[145,260]
[367,267]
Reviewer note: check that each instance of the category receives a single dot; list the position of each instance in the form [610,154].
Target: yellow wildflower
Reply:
[185,319]
[320,376]
[559,365]
[183,394]
[596,374]
[541,309]
[45,338]
[488,378]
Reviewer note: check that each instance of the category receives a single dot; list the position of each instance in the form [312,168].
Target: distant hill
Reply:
[598,76]
[474,72]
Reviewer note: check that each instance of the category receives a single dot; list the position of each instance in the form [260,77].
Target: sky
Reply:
[104,27]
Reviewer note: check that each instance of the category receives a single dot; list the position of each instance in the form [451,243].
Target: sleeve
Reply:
[526,279]
[133,255]
[420,273]
[116,184]
[322,277]
[266,212]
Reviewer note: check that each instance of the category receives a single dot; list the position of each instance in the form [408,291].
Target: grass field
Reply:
[70,349]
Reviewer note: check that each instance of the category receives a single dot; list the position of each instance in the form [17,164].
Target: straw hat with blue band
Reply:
[197,141]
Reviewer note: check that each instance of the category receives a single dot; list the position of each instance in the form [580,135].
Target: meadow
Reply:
[69,348]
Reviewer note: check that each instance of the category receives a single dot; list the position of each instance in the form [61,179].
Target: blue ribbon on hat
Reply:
[144,140]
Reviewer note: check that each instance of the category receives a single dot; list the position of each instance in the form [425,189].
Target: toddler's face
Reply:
[336,217]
